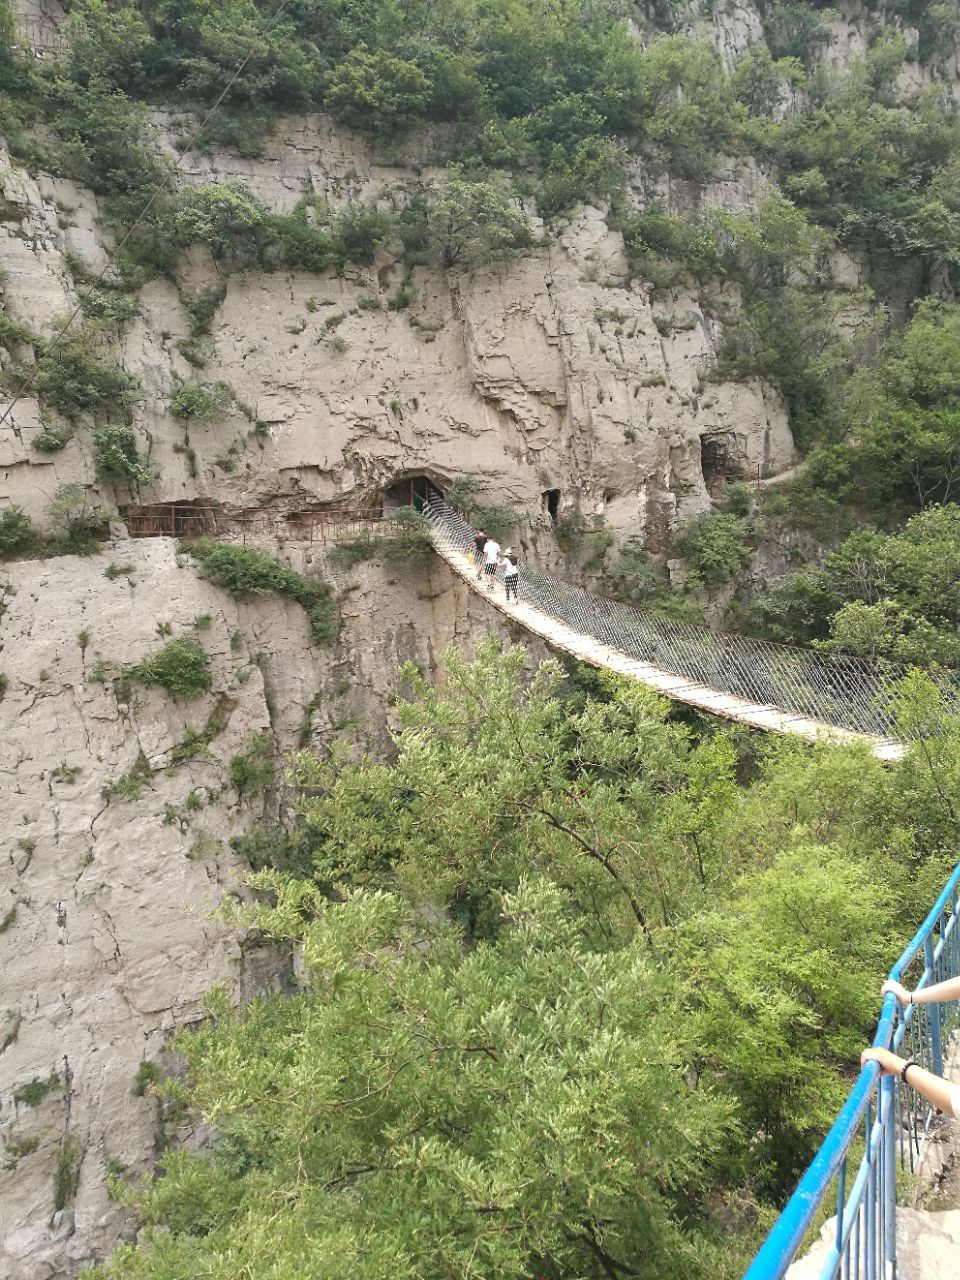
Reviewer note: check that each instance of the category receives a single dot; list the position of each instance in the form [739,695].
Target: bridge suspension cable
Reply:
[768,686]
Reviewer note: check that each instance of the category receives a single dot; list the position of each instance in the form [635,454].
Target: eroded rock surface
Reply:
[106,944]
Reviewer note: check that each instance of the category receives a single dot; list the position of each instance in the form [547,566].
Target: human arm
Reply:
[949,990]
[943,1095]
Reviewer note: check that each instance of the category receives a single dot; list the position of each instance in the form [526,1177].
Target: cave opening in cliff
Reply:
[411,491]
[719,461]
[551,503]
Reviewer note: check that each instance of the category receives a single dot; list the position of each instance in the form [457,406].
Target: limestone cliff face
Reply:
[555,371]
[106,939]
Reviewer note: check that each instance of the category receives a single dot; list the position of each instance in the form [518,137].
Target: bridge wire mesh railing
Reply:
[839,691]
[878,1133]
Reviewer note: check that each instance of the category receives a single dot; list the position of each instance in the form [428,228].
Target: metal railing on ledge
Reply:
[883,1118]
[845,693]
[187,520]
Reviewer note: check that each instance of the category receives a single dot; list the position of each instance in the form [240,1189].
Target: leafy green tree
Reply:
[793,29]
[717,546]
[470,222]
[779,998]
[6,27]
[491,1065]
[378,93]
[516,1108]
[595,168]
[758,81]
[582,797]
[224,215]
[890,595]
[110,44]
[107,144]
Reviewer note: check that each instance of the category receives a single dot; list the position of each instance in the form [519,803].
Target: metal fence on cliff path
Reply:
[841,692]
[883,1119]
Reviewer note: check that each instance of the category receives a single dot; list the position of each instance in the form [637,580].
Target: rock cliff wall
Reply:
[105,934]
[555,371]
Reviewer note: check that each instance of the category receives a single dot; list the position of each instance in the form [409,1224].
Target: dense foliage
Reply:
[247,572]
[180,667]
[881,593]
[573,999]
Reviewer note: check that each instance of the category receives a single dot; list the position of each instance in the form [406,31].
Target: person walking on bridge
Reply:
[511,573]
[491,556]
[479,542]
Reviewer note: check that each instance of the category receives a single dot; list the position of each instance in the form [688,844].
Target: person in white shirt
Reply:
[491,556]
[941,1093]
[511,573]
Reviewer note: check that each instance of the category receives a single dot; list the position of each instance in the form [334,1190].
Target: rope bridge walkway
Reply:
[767,686]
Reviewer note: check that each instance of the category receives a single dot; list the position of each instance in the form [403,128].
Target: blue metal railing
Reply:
[881,1115]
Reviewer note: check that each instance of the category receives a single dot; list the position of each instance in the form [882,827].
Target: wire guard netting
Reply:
[844,692]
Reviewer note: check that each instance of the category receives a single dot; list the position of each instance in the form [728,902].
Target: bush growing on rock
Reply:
[116,456]
[181,667]
[247,571]
[253,770]
[717,547]
[75,527]
[313,237]
[200,403]
[223,215]
[72,377]
[17,534]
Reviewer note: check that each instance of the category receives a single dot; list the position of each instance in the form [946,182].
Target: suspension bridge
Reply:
[777,688]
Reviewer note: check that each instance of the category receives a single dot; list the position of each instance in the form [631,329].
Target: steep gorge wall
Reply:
[556,371]
[106,941]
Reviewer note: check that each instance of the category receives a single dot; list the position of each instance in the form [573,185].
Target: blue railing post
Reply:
[933,1010]
[889,1192]
[865,1238]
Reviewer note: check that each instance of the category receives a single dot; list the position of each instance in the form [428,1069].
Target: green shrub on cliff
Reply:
[181,667]
[247,572]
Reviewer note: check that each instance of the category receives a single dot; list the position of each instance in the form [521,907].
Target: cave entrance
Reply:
[551,503]
[719,461]
[411,491]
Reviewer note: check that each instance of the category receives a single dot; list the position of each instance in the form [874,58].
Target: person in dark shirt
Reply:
[479,542]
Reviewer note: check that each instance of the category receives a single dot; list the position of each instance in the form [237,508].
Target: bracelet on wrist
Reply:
[905,1068]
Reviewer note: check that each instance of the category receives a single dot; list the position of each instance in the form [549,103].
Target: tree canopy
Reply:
[573,997]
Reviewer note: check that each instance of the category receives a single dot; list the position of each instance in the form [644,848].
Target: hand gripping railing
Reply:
[846,693]
[884,1117]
